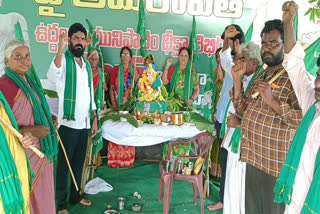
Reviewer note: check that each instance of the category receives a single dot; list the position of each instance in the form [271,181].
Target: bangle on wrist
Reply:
[192,99]
[59,52]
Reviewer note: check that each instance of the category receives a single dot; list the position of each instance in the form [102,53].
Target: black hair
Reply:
[318,62]
[218,50]
[74,28]
[271,25]
[185,48]
[239,36]
[126,48]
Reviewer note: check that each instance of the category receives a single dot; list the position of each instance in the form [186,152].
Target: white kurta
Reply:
[303,86]
[234,190]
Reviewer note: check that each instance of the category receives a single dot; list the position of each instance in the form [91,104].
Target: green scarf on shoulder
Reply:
[236,136]
[188,82]
[312,205]
[285,181]
[70,92]
[41,112]
[10,185]
[120,83]
[98,98]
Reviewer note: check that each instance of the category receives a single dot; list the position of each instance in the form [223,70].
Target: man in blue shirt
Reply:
[233,37]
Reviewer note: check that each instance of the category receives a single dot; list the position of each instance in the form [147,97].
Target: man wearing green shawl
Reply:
[72,74]
[299,182]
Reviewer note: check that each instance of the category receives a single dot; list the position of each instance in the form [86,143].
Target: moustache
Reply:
[267,53]
[79,45]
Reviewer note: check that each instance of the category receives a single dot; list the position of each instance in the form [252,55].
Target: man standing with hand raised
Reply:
[268,122]
[72,75]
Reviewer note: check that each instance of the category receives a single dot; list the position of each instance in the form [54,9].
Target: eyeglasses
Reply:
[125,54]
[271,44]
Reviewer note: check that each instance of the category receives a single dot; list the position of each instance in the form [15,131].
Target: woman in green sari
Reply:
[184,83]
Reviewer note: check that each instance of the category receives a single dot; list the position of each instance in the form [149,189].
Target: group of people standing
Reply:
[23,104]
[266,122]
[78,84]
[263,158]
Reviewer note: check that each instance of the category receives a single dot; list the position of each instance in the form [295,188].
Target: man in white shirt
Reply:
[307,90]
[249,62]
[73,79]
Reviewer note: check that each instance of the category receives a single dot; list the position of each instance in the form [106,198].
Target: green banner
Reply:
[168,24]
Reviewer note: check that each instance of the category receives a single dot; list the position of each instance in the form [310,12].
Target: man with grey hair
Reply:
[248,56]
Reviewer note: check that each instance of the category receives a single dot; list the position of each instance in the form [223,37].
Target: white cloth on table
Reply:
[123,133]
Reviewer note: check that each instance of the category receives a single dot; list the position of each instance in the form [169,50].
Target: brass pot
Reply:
[177,118]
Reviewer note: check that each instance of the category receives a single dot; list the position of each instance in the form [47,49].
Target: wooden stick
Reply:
[255,95]
[225,137]
[68,163]
[86,169]
[206,186]
[190,74]
[20,136]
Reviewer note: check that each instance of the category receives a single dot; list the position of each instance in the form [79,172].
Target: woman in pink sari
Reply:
[32,113]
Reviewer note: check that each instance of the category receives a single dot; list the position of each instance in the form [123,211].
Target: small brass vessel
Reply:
[177,118]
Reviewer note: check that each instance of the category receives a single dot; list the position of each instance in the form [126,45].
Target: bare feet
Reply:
[84,202]
[216,206]
[63,212]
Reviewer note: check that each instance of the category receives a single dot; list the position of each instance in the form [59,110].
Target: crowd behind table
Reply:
[268,144]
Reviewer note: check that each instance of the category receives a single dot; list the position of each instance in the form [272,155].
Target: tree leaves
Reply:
[130,120]
[115,116]
[314,12]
